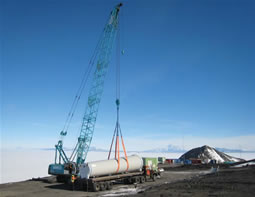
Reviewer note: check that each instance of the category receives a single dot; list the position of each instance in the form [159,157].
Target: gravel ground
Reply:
[233,182]
[182,182]
[47,187]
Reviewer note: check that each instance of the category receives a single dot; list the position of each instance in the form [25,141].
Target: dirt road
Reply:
[42,187]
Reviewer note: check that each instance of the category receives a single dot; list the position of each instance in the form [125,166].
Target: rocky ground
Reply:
[47,187]
[227,182]
[174,182]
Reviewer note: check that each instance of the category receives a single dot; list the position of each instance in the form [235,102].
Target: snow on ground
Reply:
[122,191]
[244,164]
[19,165]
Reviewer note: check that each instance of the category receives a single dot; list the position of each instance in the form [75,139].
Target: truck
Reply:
[101,175]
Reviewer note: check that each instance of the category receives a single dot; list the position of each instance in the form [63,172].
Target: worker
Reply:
[72,181]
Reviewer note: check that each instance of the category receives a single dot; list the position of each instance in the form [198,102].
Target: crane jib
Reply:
[96,90]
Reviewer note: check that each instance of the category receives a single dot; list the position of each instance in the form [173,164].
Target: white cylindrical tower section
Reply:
[109,167]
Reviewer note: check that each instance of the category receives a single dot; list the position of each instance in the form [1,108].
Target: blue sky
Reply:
[187,72]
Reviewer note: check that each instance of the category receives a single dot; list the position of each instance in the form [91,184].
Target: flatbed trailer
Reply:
[102,183]
[101,175]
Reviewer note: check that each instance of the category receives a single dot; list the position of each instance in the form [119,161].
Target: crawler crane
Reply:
[65,166]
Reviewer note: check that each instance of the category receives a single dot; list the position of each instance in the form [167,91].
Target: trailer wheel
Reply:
[142,179]
[137,179]
[102,186]
[109,185]
[133,180]
[95,187]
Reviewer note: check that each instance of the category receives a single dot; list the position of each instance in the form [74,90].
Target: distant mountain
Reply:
[207,153]
[174,149]
[169,149]
[227,150]
[156,150]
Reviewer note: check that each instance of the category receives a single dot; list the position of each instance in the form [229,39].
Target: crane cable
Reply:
[118,102]
[122,52]
[117,130]
[117,149]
